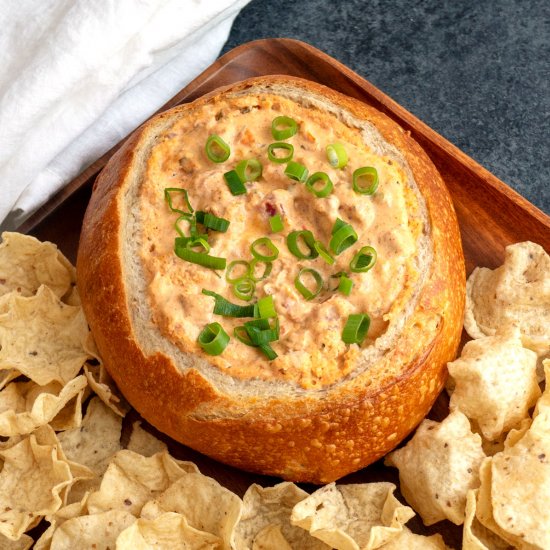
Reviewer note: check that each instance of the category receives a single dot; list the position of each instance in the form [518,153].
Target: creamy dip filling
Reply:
[310,350]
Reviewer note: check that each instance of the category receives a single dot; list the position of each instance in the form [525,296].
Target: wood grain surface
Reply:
[491,215]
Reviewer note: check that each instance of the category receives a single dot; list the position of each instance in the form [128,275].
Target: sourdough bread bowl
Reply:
[323,407]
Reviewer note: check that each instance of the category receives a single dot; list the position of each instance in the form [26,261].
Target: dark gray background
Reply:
[476,71]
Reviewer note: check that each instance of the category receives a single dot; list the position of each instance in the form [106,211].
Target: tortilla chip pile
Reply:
[487,465]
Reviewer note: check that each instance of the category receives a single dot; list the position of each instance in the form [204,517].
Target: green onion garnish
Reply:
[337,225]
[213,339]
[283,127]
[323,252]
[273,253]
[345,285]
[265,274]
[249,170]
[280,145]
[261,333]
[365,180]
[193,242]
[342,238]
[269,351]
[183,251]
[236,186]
[212,222]
[325,190]
[241,334]
[356,328]
[226,308]
[276,223]
[216,149]
[308,239]
[231,267]
[169,192]
[296,171]
[337,155]
[244,288]
[266,307]
[188,218]
[303,289]
[363,260]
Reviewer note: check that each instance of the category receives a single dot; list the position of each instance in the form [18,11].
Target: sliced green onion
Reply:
[213,339]
[216,149]
[343,239]
[264,242]
[309,240]
[365,180]
[195,242]
[272,156]
[276,223]
[323,252]
[236,186]
[244,288]
[324,191]
[212,222]
[241,334]
[183,251]
[249,170]
[192,225]
[231,267]
[269,351]
[337,225]
[303,289]
[296,171]
[228,309]
[345,285]
[258,335]
[265,274]
[168,196]
[337,155]
[336,276]
[283,127]
[266,307]
[356,328]
[363,260]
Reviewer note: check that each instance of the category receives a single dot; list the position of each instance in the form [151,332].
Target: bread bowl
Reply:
[322,408]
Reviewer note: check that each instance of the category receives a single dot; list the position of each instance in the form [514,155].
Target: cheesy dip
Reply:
[310,350]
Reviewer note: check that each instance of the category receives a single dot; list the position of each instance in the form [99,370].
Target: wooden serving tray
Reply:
[491,215]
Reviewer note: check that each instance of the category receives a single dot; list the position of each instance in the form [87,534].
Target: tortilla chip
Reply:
[407,540]
[43,338]
[543,404]
[70,416]
[144,443]
[353,517]
[104,387]
[93,532]
[96,441]
[7,376]
[192,496]
[24,406]
[520,486]
[438,467]
[475,536]
[23,543]
[131,480]
[31,484]
[168,531]
[517,294]
[271,538]
[26,264]
[271,507]
[495,383]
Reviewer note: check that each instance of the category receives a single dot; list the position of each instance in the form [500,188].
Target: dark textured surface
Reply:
[476,72]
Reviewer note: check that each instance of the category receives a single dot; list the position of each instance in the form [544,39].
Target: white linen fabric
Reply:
[79,75]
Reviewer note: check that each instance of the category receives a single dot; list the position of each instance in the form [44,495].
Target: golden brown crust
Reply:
[316,440]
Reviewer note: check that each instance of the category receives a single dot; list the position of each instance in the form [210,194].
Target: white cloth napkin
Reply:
[77,76]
